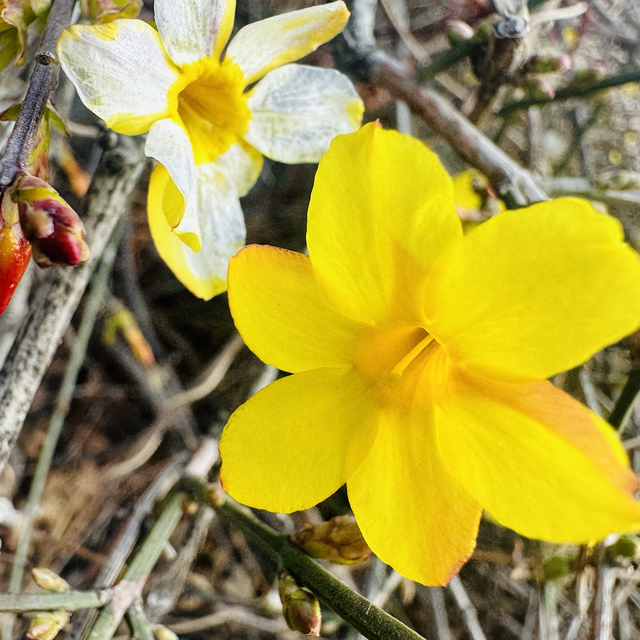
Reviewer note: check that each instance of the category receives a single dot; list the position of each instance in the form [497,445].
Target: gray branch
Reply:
[57,298]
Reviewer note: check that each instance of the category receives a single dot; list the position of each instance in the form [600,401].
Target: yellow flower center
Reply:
[213,107]
[393,378]
[386,358]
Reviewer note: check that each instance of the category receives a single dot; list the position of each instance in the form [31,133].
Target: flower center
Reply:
[213,107]
[393,378]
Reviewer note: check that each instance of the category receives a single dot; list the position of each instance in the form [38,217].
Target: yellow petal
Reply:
[168,143]
[194,29]
[535,291]
[536,459]
[281,315]
[381,212]
[221,226]
[265,45]
[413,514]
[121,72]
[298,440]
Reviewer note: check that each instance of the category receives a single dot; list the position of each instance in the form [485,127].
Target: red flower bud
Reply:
[49,223]
[15,251]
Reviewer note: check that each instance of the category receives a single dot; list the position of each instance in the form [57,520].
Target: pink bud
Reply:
[49,223]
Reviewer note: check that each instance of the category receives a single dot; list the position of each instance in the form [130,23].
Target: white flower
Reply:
[208,131]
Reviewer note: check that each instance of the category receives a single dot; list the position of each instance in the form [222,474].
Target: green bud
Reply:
[47,579]
[586,78]
[46,626]
[339,540]
[162,633]
[547,64]
[458,31]
[300,608]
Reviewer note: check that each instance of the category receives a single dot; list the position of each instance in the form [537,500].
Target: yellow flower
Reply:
[419,357]
[208,125]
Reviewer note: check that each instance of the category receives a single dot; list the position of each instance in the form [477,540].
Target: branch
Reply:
[71,601]
[107,201]
[511,182]
[56,422]
[147,556]
[369,620]
[42,84]
[572,92]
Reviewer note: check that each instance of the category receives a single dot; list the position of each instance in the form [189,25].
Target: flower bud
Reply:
[586,78]
[547,64]
[539,88]
[46,626]
[300,608]
[47,579]
[162,633]
[458,31]
[339,540]
[49,223]
[15,250]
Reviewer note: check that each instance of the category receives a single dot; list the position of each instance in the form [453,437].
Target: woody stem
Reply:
[43,82]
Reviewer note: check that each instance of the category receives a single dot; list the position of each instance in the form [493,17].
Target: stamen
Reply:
[412,355]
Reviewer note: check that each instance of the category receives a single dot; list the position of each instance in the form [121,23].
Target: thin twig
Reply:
[572,92]
[142,508]
[469,612]
[63,402]
[602,613]
[436,600]
[138,622]
[236,615]
[624,404]
[511,182]
[71,601]
[147,443]
[146,558]
[43,82]
[108,199]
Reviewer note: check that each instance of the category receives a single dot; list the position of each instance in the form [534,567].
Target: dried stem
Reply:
[146,558]
[107,201]
[42,84]
[56,422]
[512,183]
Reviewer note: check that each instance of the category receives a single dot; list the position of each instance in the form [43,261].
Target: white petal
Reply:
[297,110]
[169,144]
[242,164]
[221,224]
[262,46]
[194,29]
[121,72]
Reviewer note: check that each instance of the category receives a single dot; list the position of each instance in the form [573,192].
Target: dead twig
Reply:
[107,201]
